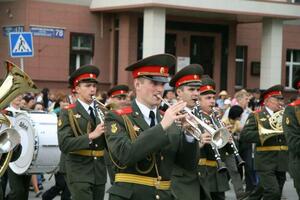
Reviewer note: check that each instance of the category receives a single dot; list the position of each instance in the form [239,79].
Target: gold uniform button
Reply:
[199,173]
[95,158]
[96,145]
[157,196]
[162,157]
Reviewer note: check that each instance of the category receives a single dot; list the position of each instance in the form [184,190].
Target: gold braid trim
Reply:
[129,127]
[133,136]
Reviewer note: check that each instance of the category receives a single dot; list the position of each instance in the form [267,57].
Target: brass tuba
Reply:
[16,82]
[275,122]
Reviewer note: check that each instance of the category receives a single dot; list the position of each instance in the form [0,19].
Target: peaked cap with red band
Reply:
[118,90]
[296,81]
[154,67]
[274,91]
[208,86]
[85,73]
[189,75]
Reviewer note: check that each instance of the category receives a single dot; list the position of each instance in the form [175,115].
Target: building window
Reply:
[295,1]
[240,68]
[81,51]
[292,64]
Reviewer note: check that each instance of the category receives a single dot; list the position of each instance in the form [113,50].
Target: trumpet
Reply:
[219,136]
[196,132]
[238,158]
[221,167]
[100,108]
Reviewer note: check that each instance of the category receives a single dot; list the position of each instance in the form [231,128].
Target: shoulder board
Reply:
[123,111]
[70,106]
[295,103]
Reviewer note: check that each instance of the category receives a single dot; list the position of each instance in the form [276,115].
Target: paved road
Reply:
[289,191]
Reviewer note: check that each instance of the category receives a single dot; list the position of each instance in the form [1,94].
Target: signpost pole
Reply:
[22,64]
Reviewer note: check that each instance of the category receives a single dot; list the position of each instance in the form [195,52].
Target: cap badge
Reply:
[162,70]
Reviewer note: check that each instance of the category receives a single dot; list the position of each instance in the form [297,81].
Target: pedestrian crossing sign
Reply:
[20,44]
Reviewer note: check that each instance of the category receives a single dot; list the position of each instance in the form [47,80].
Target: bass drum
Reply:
[40,152]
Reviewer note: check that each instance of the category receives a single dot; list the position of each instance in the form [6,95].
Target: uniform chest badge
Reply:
[287,121]
[77,116]
[59,123]
[263,119]
[114,128]
[136,128]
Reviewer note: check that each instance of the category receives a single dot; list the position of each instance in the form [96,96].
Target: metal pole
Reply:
[22,64]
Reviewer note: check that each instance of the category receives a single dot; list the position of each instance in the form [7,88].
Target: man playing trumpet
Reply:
[143,145]
[188,184]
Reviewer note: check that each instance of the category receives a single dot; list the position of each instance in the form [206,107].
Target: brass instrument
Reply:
[238,158]
[100,108]
[16,82]
[275,122]
[221,167]
[195,131]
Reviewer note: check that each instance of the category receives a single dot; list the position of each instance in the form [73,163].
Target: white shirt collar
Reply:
[85,105]
[271,112]
[146,111]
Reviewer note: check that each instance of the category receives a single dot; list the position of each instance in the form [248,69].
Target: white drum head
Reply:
[25,128]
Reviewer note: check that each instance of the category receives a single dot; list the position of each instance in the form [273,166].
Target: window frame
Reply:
[290,64]
[244,61]
[81,50]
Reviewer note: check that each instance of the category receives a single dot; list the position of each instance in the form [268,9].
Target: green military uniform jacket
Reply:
[291,128]
[215,181]
[135,156]
[80,168]
[265,160]
[186,184]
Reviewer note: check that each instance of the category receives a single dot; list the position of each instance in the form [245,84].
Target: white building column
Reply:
[271,53]
[154,31]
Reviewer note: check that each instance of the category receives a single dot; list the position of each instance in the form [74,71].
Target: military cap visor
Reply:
[154,67]
[86,73]
[274,91]
[189,75]
[208,86]
[118,90]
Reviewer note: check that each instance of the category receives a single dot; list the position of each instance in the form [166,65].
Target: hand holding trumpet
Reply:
[173,113]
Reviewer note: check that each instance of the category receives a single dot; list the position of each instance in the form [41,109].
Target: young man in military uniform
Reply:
[213,169]
[117,99]
[264,128]
[117,96]
[187,184]
[291,127]
[81,139]
[144,145]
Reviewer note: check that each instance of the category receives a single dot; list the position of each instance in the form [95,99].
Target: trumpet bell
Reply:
[220,137]
[9,139]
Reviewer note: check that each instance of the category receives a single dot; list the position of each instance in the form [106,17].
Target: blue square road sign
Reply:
[20,44]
